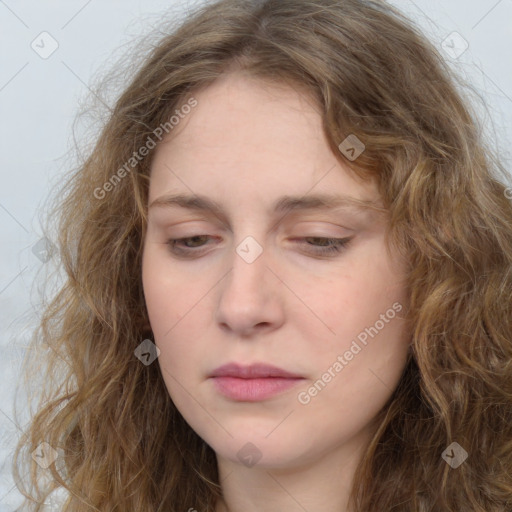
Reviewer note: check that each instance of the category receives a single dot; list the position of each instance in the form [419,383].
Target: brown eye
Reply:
[182,246]
[327,245]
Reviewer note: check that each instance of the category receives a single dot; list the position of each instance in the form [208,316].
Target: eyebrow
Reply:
[282,205]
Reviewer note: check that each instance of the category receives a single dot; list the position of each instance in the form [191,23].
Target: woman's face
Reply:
[260,285]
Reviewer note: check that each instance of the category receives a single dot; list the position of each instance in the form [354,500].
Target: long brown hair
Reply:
[122,444]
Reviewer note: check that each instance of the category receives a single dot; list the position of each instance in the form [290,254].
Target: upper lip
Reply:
[253,371]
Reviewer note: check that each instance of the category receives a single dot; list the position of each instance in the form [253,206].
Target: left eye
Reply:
[331,245]
[180,246]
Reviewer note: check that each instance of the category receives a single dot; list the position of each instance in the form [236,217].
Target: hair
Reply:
[123,445]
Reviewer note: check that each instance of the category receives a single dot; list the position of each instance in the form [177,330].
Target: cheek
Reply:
[161,304]
[359,367]
[169,295]
[354,298]
[363,356]
[177,317]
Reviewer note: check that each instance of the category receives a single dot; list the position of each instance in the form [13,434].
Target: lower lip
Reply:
[253,390]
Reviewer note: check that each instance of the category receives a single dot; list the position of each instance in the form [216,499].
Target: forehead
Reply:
[249,110]
[237,114]
[250,139]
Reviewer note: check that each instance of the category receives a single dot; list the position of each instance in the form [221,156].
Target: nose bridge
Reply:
[247,298]
[249,265]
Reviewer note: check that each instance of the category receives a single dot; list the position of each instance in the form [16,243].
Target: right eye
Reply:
[176,244]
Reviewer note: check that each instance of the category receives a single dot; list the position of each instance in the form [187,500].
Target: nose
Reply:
[250,297]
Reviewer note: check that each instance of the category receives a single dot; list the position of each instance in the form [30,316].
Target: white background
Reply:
[39,99]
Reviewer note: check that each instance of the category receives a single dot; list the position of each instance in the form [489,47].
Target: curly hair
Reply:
[122,444]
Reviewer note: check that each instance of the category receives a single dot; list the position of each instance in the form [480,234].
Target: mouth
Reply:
[252,383]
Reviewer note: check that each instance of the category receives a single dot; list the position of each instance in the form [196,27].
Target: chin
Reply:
[257,450]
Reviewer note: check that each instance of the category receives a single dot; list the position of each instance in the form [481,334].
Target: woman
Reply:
[289,269]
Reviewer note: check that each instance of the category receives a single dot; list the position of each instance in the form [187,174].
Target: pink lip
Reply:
[252,383]
[253,371]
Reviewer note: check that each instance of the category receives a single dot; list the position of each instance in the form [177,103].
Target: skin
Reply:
[244,145]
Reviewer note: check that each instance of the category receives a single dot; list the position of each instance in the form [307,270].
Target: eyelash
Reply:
[336,245]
